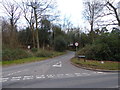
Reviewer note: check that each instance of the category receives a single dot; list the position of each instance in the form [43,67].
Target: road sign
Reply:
[76,44]
[28,46]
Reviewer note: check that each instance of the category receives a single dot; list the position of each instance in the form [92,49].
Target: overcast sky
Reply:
[71,9]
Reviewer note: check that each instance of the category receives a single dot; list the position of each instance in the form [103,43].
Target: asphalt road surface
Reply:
[57,72]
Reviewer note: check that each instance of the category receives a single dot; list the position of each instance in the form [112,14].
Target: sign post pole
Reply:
[76,44]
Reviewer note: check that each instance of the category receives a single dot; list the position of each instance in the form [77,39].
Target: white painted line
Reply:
[15,78]
[27,77]
[4,79]
[40,76]
[99,72]
[78,74]
[69,75]
[50,76]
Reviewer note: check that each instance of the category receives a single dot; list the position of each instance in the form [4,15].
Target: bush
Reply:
[44,53]
[34,50]
[104,48]
[60,44]
[12,54]
[87,51]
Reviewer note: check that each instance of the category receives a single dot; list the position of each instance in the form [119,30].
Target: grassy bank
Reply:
[29,59]
[107,65]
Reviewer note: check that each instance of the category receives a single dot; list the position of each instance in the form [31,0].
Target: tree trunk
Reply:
[91,32]
[33,35]
[37,36]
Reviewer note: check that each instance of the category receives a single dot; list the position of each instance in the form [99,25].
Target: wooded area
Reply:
[42,34]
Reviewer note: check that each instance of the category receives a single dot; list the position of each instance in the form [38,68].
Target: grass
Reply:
[57,53]
[107,65]
[24,60]
[30,59]
[0,63]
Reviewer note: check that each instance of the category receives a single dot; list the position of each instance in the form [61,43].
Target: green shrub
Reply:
[12,54]
[60,44]
[34,50]
[87,51]
[99,52]
[105,47]
[44,53]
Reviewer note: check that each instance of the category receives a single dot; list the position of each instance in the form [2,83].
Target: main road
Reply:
[56,72]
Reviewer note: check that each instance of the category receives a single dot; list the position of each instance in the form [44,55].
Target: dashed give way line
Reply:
[53,76]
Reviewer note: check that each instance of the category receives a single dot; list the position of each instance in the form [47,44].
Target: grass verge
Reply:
[24,60]
[107,65]
[30,59]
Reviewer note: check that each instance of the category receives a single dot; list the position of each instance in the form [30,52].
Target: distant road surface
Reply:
[56,72]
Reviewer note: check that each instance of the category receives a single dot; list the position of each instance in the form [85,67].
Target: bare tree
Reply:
[110,14]
[12,11]
[92,12]
[67,25]
[29,16]
[114,11]
[39,9]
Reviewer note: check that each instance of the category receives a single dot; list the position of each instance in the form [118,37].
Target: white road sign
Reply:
[76,44]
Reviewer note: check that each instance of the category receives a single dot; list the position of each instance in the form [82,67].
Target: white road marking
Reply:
[59,64]
[4,79]
[69,75]
[50,76]
[27,77]
[15,78]
[78,74]
[40,76]
[99,72]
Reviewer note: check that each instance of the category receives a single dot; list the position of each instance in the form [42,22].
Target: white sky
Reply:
[71,9]
[68,8]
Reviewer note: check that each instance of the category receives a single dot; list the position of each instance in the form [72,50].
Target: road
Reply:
[56,72]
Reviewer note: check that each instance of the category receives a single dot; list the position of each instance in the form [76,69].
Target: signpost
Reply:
[76,44]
